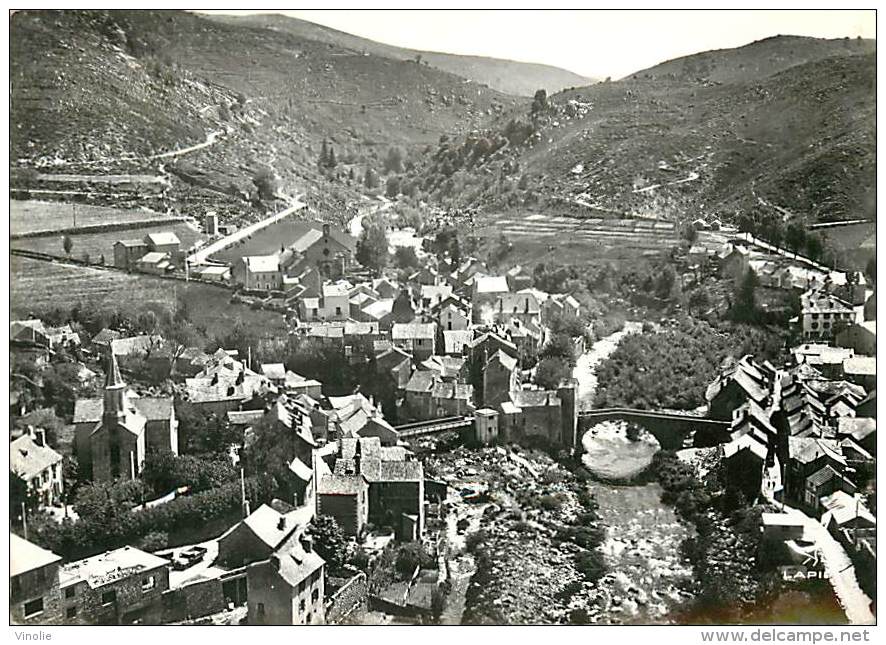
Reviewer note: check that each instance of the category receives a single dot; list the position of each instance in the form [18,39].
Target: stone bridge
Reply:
[672,430]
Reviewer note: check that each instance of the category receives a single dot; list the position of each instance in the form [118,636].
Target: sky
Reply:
[597,43]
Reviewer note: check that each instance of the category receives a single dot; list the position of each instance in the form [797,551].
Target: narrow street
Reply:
[839,568]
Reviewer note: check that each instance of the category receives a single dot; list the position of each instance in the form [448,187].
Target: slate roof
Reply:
[402,471]
[491,284]
[295,565]
[843,508]
[301,470]
[456,391]
[508,362]
[340,485]
[857,428]
[27,458]
[860,366]
[162,239]
[152,408]
[421,381]
[806,450]
[264,523]
[262,263]
[534,398]
[274,371]
[409,331]
[455,341]
[26,556]
[380,308]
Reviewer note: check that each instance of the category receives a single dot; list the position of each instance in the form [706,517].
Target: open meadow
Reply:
[35,216]
[98,244]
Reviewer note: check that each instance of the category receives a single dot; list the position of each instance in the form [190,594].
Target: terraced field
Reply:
[599,236]
[37,286]
[35,216]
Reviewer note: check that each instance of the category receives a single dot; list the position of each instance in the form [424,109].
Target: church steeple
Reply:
[115,388]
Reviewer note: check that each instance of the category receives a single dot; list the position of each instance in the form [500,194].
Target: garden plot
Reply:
[36,216]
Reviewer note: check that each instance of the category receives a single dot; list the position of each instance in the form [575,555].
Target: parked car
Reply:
[188,558]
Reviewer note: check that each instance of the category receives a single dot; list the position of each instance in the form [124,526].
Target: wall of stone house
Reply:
[130,598]
[196,600]
[351,596]
[33,585]
[346,509]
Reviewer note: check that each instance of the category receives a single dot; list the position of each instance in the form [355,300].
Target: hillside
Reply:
[507,76]
[756,60]
[101,91]
[800,140]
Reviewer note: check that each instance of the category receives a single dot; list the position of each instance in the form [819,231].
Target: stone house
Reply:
[288,587]
[119,587]
[38,465]
[34,597]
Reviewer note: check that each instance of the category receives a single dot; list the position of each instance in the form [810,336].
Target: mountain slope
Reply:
[756,60]
[510,77]
[801,140]
[103,90]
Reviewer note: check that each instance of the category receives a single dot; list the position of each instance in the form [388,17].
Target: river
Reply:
[642,533]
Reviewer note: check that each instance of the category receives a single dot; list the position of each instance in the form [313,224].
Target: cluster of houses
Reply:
[802,439]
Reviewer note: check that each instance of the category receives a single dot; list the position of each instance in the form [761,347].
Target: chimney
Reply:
[281,524]
[326,230]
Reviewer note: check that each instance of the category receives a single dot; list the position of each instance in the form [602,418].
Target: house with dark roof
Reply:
[256,536]
[33,461]
[417,399]
[288,587]
[500,377]
[805,457]
[452,314]
[738,382]
[419,339]
[328,249]
[861,430]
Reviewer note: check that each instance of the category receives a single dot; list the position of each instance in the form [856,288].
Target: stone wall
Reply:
[349,597]
[669,429]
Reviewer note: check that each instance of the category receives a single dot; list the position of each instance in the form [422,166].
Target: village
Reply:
[336,507]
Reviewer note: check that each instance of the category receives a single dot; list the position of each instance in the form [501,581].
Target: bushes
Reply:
[111,523]
[592,565]
[672,368]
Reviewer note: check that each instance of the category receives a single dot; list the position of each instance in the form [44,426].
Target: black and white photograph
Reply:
[448,317]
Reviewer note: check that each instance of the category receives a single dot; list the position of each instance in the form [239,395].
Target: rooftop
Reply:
[407,331]
[27,458]
[26,556]
[108,567]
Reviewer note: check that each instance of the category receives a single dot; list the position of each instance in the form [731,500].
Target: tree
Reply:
[795,236]
[392,187]
[698,301]
[870,269]
[265,182]
[394,160]
[814,247]
[329,541]
[539,102]
[744,306]
[372,247]
[370,179]
[690,233]
[559,346]
[405,257]
[324,155]
[551,372]
[67,244]
[330,160]
[664,284]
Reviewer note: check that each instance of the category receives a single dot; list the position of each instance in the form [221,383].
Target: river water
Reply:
[643,534]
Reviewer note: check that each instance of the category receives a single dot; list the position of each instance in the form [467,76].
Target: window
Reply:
[308,618]
[148,583]
[325,251]
[34,607]
[261,609]
[338,311]
[814,316]
[109,597]
[315,595]
[70,592]
[301,606]
[70,612]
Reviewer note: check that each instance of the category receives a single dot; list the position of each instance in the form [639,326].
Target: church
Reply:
[114,434]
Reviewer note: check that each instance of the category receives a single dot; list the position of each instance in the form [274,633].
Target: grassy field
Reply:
[33,216]
[37,286]
[98,244]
